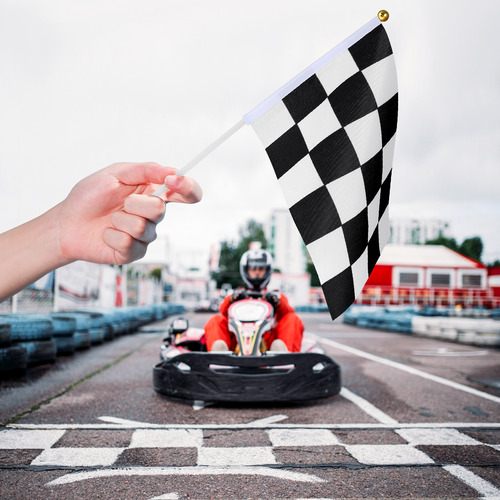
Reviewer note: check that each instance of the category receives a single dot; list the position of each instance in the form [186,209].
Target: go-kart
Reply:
[252,373]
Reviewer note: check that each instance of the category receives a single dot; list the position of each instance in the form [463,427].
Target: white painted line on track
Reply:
[302,437]
[436,437]
[236,457]
[186,471]
[264,422]
[367,407]
[167,438]
[125,422]
[405,368]
[78,457]
[388,454]
[364,426]
[483,487]
[167,496]
[444,352]
[29,439]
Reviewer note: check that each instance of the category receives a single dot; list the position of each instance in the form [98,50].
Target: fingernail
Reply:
[173,182]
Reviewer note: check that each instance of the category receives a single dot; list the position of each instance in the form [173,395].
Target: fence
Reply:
[467,298]
[84,285]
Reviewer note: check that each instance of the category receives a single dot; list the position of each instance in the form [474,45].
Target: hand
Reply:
[273,298]
[110,217]
[239,294]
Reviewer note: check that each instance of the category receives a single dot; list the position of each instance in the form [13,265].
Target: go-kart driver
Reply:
[286,335]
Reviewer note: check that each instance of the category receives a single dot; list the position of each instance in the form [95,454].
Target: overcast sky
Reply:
[86,83]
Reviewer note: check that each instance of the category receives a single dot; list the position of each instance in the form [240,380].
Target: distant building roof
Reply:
[425,256]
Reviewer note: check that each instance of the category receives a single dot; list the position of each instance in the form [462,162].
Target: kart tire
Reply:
[5,334]
[82,340]
[63,325]
[108,333]
[83,320]
[96,335]
[103,318]
[65,344]
[30,327]
[40,351]
[13,359]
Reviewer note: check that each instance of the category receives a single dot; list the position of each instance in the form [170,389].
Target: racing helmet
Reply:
[252,259]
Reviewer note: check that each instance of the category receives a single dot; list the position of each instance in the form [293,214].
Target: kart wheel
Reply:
[13,359]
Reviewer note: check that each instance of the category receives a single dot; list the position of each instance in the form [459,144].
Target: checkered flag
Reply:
[329,134]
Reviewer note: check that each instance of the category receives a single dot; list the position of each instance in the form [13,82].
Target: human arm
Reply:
[109,217]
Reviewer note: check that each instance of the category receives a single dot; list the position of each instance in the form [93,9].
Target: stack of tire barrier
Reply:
[32,339]
[35,333]
[13,358]
[479,331]
[64,328]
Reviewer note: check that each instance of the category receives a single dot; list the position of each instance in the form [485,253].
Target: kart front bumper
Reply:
[227,377]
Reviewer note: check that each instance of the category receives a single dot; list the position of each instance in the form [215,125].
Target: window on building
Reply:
[472,280]
[408,279]
[440,279]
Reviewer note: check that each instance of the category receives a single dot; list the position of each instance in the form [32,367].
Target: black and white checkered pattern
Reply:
[331,143]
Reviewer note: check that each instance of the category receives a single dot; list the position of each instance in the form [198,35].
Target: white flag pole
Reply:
[204,153]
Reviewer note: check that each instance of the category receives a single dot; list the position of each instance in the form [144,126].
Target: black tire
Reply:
[30,327]
[82,319]
[96,318]
[82,340]
[65,345]
[63,325]
[13,359]
[96,335]
[41,351]
[5,334]
[108,332]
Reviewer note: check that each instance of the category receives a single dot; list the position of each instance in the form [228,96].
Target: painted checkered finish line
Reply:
[218,447]
[331,143]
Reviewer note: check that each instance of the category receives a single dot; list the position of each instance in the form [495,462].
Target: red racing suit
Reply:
[288,328]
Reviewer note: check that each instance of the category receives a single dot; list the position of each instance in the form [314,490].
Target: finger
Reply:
[134,174]
[183,189]
[126,248]
[148,207]
[138,227]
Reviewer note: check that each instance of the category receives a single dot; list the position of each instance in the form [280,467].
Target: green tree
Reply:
[155,273]
[231,252]
[314,275]
[472,247]
[442,240]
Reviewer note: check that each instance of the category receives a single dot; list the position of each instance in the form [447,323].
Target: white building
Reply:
[285,243]
[417,231]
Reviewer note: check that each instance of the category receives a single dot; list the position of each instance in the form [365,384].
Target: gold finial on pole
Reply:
[383,15]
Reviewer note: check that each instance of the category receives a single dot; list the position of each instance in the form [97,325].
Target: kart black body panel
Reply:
[230,378]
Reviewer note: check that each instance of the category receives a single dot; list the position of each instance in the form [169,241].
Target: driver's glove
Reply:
[273,298]
[239,294]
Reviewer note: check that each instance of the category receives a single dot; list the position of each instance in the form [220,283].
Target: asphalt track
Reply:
[416,418]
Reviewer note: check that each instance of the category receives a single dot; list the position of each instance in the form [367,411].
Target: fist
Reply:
[273,298]
[239,294]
